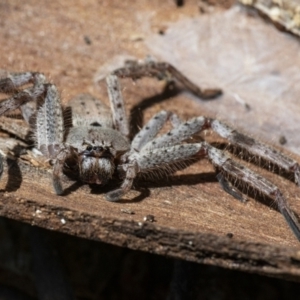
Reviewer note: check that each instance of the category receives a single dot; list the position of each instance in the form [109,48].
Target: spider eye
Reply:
[89,148]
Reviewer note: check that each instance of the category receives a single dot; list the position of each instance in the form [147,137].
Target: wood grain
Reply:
[194,219]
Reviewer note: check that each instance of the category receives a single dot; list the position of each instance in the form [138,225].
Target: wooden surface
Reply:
[194,219]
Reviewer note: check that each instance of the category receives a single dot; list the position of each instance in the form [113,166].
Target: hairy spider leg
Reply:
[11,85]
[117,105]
[256,148]
[224,162]
[149,152]
[160,152]
[163,70]
[49,121]
[58,170]
[150,159]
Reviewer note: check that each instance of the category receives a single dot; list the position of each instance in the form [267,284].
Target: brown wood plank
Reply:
[194,218]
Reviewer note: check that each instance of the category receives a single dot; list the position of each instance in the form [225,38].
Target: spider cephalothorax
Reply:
[97,143]
[94,151]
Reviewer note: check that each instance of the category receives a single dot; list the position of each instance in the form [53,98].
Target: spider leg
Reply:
[58,170]
[222,161]
[49,131]
[149,160]
[175,120]
[166,151]
[49,123]
[150,130]
[115,96]
[49,119]
[229,188]
[181,132]
[11,84]
[120,119]
[148,154]
[131,170]
[151,68]
[256,148]
[13,81]
[163,70]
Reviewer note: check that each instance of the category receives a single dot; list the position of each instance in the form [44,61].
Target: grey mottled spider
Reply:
[97,145]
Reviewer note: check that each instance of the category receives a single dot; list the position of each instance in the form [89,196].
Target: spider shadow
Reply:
[14,174]
[258,162]
[170,90]
[136,122]
[143,186]
[255,194]
[179,180]
[72,188]
[287,212]
[144,193]
[200,178]
[103,189]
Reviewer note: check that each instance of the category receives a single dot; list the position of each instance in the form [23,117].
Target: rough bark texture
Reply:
[193,218]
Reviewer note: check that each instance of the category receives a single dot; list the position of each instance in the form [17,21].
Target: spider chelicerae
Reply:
[97,145]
